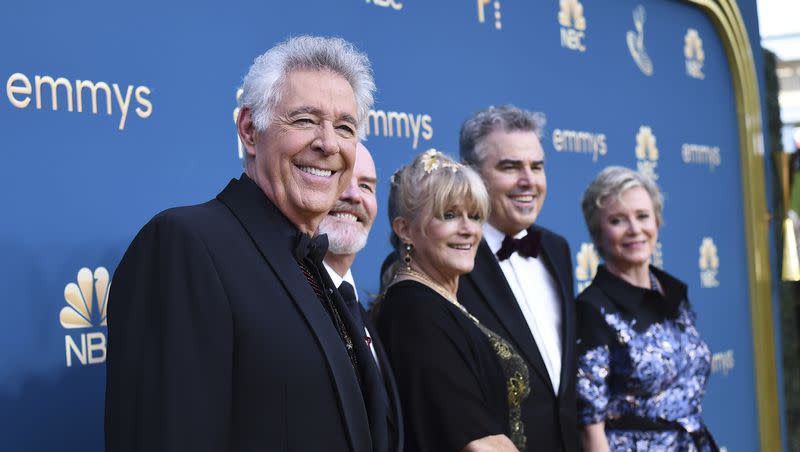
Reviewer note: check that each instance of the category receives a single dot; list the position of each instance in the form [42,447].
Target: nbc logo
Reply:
[693,51]
[573,25]
[657,259]
[635,41]
[588,260]
[709,263]
[498,24]
[646,152]
[79,313]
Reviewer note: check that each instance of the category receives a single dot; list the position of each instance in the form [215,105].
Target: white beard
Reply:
[343,238]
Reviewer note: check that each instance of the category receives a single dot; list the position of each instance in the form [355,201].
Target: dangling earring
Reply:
[407,257]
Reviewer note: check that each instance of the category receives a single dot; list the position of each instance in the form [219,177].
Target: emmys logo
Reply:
[636,42]
[657,259]
[580,142]
[646,152]
[79,313]
[709,263]
[701,155]
[20,92]
[573,25]
[588,260]
[387,4]
[693,51]
[722,362]
[482,12]
[401,125]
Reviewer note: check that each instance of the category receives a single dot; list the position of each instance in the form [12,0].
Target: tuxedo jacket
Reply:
[217,341]
[550,420]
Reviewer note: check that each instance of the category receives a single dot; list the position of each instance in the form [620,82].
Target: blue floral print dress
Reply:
[642,366]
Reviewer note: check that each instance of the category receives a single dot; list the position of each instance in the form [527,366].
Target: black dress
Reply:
[642,366]
[458,381]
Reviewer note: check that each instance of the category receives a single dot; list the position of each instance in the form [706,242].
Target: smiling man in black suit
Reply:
[225,331]
[521,286]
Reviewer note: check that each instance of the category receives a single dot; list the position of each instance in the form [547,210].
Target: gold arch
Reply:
[727,19]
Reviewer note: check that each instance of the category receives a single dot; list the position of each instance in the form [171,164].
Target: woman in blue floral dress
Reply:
[642,366]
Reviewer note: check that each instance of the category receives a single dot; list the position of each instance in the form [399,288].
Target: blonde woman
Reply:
[460,384]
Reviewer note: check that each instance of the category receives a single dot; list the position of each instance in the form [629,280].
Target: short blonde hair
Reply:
[613,181]
[432,184]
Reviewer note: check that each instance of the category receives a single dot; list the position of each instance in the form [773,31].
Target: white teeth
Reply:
[525,198]
[465,246]
[345,216]
[315,171]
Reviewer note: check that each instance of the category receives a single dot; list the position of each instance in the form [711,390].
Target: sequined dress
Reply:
[642,366]
[458,381]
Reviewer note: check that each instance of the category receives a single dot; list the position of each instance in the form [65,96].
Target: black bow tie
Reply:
[528,246]
[313,249]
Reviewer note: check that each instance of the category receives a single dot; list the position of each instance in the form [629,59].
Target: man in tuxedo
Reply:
[225,331]
[521,286]
[347,227]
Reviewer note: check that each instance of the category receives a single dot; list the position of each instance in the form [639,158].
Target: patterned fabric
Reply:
[517,383]
[642,364]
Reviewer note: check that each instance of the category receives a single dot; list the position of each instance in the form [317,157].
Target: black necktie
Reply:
[528,246]
[349,297]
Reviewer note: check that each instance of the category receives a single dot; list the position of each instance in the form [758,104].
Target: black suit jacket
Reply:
[550,420]
[218,343]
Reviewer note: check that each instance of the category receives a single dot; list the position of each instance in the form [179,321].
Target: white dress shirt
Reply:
[537,296]
[337,281]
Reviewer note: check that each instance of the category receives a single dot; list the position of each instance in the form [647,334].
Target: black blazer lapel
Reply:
[267,226]
[554,260]
[396,417]
[491,282]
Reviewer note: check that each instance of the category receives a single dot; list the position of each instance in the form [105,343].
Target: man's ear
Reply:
[247,130]
[401,227]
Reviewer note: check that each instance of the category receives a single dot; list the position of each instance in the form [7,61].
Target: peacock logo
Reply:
[573,25]
[87,307]
[588,260]
[79,309]
[646,152]
[693,51]
[657,258]
[570,15]
[709,263]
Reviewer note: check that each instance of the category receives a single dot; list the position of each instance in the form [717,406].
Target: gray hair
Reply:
[507,118]
[612,182]
[430,185]
[262,85]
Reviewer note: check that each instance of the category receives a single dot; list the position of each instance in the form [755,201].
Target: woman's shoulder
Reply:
[594,298]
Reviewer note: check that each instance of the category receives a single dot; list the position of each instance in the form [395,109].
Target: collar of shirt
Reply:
[642,302]
[337,280]
[494,238]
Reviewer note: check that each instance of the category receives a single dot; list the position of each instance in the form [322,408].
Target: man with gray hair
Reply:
[521,286]
[225,331]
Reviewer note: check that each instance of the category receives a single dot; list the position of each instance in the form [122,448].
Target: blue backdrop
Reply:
[112,113]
